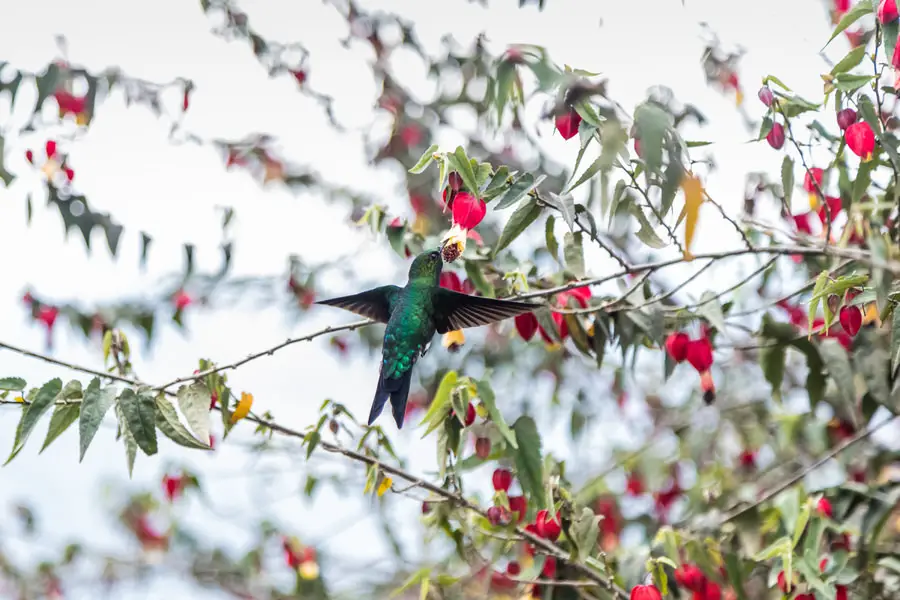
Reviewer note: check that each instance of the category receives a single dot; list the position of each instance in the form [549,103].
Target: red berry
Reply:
[846,118]
[824,507]
[482,447]
[548,527]
[776,136]
[513,568]
[765,95]
[468,211]
[567,124]
[677,346]
[519,505]
[502,479]
[851,319]
[645,592]
[470,414]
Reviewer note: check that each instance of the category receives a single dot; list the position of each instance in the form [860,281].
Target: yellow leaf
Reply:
[243,407]
[693,198]
[384,486]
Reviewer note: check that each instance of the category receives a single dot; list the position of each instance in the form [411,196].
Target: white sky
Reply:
[125,164]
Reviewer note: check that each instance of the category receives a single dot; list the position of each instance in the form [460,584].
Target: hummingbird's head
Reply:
[427,266]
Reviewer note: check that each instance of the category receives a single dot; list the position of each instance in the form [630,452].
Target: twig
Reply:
[809,174]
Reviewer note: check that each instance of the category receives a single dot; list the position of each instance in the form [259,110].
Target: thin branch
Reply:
[736,286]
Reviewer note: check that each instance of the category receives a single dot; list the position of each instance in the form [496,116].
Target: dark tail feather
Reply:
[381,396]
[399,398]
[398,392]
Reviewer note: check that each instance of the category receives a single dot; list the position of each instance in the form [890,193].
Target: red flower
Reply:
[782,582]
[526,325]
[699,354]
[549,570]
[47,315]
[411,135]
[181,300]
[69,104]
[834,206]
[567,124]
[299,75]
[860,139]
[470,414]
[842,589]
[690,577]
[581,295]
[801,222]
[70,174]
[776,136]
[812,184]
[634,484]
[518,504]
[50,148]
[805,597]
[765,95]
[711,591]
[841,6]
[851,319]
[502,479]
[645,592]
[497,516]
[548,526]
[846,118]
[173,486]
[561,326]
[677,346]
[748,459]
[450,280]
[637,147]
[824,507]
[468,211]
[887,11]
[213,399]
[454,181]
[29,156]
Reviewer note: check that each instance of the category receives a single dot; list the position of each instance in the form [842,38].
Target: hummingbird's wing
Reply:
[376,304]
[453,310]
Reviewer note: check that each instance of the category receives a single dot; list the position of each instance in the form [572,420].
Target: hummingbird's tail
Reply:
[397,390]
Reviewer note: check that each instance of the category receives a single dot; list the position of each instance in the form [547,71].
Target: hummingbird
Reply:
[413,314]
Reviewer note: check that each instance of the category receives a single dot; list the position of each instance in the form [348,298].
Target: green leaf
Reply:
[895,341]
[837,363]
[473,272]
[574,253]
[312,440]
[529,463]
[94,406]
[711,310]
[12,384]
[518,190]
[765,127]
[550,238]
[486,394]
[565,204]
[40,404]
[460,163]
[584,529]
[821,281]
[873,363]
[776,81]
[599,163]
[127,439]
[651,124]
[849,82]
[63,416]
[862,181]
[194,400]
[440,406]
[524,216]
[795,105]
[139,411]
[853,58]
[459,401]
[779,547]
[787,178]
[867,112]
[426,159]
[483,172]
[169,424]
[771,359]
[497,184]
[889,33]
[646,233]
[671,184]
[546,322]
[850,17]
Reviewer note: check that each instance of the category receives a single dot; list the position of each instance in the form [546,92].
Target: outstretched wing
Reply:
[453,310]
[376,304]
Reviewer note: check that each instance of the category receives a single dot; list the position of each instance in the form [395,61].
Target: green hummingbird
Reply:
[413,314]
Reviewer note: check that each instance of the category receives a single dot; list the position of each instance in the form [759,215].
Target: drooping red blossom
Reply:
[634,484]
[846,118]
[690,577]
[567,124]
[148,536]
[677,346]
[765,95]
[841,590]
[711,591]
[526,325]
[747,459]
[29,156]
[581,296]
[482,447]
[776,136]
[497,515]
[513,568]
[450,281]
[561,326]
[835,205]
[699,354]
[50,148]
[69,104]
[860,139]
[47,315]
[181,300]
[851,319]
[548,526]
[783,583]
[470,414]
[887,11]
[213,399]
[519,505]
[809,596]
[468,211]
[70,174]
[814,183]
[411,134]
[645,592]
[802,223]
[292,557]
[664,499]
[501,479]
[549,570]
[173,486]
[824,507]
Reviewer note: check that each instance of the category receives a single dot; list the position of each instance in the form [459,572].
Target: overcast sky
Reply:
[125,164]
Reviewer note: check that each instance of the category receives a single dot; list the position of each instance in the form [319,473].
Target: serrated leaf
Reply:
[460,163]
[528,459]
[519,188]
[565,204]
[849,18]
[787,178]
[440,406]
[169,424]
[523,216]
[574,253]
[62,418]
[486,394]
[93,408]
[852,58]
[40,404]
[426,159]
[127,439]
[12,384]
[194,400]
[139,411]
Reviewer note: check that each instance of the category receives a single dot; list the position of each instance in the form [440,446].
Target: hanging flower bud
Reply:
[765,95]
[526,325]
[824,507]
[518,505]
[677,346]
[851,319]
[887,11]
[468,211]
[861,140]
[645,592]
[846,118]
[776,136]
[699,354]
[29,156]
[548,526]
[501,479]
[454,181]
[567,124]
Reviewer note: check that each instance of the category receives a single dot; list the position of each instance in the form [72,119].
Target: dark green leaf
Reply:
[671,183]
[895,341]
[312,440]
[853,58]
[837,364]
[863,179]
[849,18]
[765,127]
[849,82]
[518,190]
[771,359]
[599,163]
[585,528]
[194,401]
[40,404]
[497,184]
[529,462]
[169,424]
[63,416]
[460,163]
[440,406]
[867,112]
[546,322]
[787,178]
[94,406]
[475,275]
[486,394]
[139,411]
[651,124]
[12,384]
[889,33]
[550,238]
[574,253]
[127,439]
[424,160]
[523,216]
